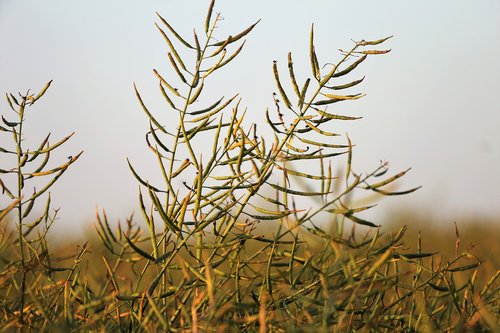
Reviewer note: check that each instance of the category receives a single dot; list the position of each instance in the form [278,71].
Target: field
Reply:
[267,235]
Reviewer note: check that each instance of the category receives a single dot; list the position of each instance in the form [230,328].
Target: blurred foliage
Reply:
[226,240]
[478,234]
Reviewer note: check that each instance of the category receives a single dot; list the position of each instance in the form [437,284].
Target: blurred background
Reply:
[432,103]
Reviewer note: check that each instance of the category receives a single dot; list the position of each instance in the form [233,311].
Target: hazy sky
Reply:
[432,104]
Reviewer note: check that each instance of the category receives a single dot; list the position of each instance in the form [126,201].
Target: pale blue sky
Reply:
[432,104]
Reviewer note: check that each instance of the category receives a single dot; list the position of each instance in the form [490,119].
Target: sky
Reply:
[432,103]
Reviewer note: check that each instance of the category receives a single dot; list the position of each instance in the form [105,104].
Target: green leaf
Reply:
[349,211]
[292,75]
[172,48]
[152,131]
[322,144]
[9,123]
[150,116]
[61,167]
[312,56]
[310,156]
[232,56]
[347,85]
[360,221]
[139,250]
[396,192]
[42,150]
[41,93]
[139,179]
[375,51]
[176,68]
[162,80]
[295,192]
[414,255]
[163,214]
[273,125]
[463,268]
[232,39]
[211,107]
[280,87]
[386,181]
[174,32]
[206,116]
[304,175]
[350,68]
[310,127]
[270,217]
[337,98]
[209,15]
[196,94]
[216,65]
[335,116]
[375,42]
[303,93]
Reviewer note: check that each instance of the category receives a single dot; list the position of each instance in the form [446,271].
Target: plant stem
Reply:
[20,185]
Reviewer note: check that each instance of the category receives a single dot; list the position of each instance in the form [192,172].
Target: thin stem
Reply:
[20,185]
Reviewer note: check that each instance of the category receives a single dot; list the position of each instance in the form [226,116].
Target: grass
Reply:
[237,247]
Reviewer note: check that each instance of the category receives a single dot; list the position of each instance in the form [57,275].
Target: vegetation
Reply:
[237,247]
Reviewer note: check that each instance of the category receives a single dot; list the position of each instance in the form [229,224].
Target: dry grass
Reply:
[196,260]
